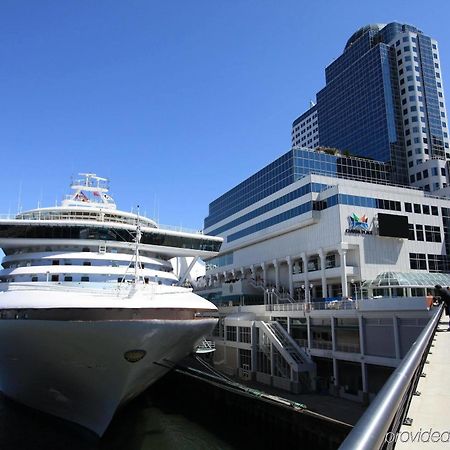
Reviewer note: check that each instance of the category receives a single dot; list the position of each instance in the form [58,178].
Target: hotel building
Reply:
[384,99]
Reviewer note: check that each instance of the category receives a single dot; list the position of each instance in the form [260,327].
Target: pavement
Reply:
[430,412]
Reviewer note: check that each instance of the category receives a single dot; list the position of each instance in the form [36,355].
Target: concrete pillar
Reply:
[264,269]
[272,362]
[365,381]
[291,276]
[254,347]
[333,335]
[396,337]
[322,258]
[343,254]
[277,274]
[362,346]
[305,273]
[242,273]
[335,373]
[308,330]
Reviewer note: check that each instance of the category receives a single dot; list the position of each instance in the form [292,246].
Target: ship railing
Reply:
[101,217]
[387,413]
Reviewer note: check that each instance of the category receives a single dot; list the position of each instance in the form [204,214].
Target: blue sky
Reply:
[175,101]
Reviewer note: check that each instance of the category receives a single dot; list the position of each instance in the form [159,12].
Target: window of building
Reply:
[245,335]
[442,171]
[34,278]
[330,261]
[411,234]
[425,173]
[417,208]
[84,278]
[231,334]
[408,207]
[426,209]
[419,232]
[245,359]
[419,174]
[417,261]
[434,211]
[432,233]
[67,278]
[55,262]
[55,277]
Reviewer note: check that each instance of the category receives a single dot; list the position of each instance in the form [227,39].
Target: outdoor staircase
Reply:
[295,365]
[285,344]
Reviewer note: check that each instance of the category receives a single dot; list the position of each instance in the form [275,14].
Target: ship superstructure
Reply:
[91,312]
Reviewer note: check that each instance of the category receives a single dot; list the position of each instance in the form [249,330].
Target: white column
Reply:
[335,373]
[308,330]
[242,273]
[365,383]
[396,337]
[362,347]
[333,335]
[291,277]
[305,274]
[263,265]
[322,272]
[277,274]
[343,255]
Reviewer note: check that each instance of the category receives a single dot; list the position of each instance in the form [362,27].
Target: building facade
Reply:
[323,275]
[384,99]
[305,129]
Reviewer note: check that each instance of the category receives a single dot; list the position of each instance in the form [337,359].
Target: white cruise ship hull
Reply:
[77,370]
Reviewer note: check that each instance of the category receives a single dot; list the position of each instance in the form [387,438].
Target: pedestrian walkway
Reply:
[430,411]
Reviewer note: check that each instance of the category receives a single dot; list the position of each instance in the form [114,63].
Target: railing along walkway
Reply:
[431,409]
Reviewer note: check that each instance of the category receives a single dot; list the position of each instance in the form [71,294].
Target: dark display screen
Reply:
[392,225]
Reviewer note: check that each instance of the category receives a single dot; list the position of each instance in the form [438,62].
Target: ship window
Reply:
[55,262]
[55,277]
[86,249]
[67,278]
[34,278]
[84,278]
[86,263]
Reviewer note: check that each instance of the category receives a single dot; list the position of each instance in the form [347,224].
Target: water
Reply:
[141,425]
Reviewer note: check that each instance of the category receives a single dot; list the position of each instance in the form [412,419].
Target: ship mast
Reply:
[138,278]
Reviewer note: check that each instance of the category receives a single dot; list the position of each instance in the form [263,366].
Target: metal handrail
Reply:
[370,431]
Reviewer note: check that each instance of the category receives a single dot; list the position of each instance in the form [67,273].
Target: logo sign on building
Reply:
[358,225]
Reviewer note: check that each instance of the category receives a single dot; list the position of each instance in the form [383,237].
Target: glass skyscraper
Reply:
[384,100]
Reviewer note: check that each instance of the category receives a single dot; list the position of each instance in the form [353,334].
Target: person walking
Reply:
[445,298]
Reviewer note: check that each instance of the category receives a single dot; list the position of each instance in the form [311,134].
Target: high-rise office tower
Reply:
[384,99]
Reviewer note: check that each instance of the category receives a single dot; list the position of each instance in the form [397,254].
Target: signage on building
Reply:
[358,225]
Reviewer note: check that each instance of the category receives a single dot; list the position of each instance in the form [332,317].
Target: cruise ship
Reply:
[91,311]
